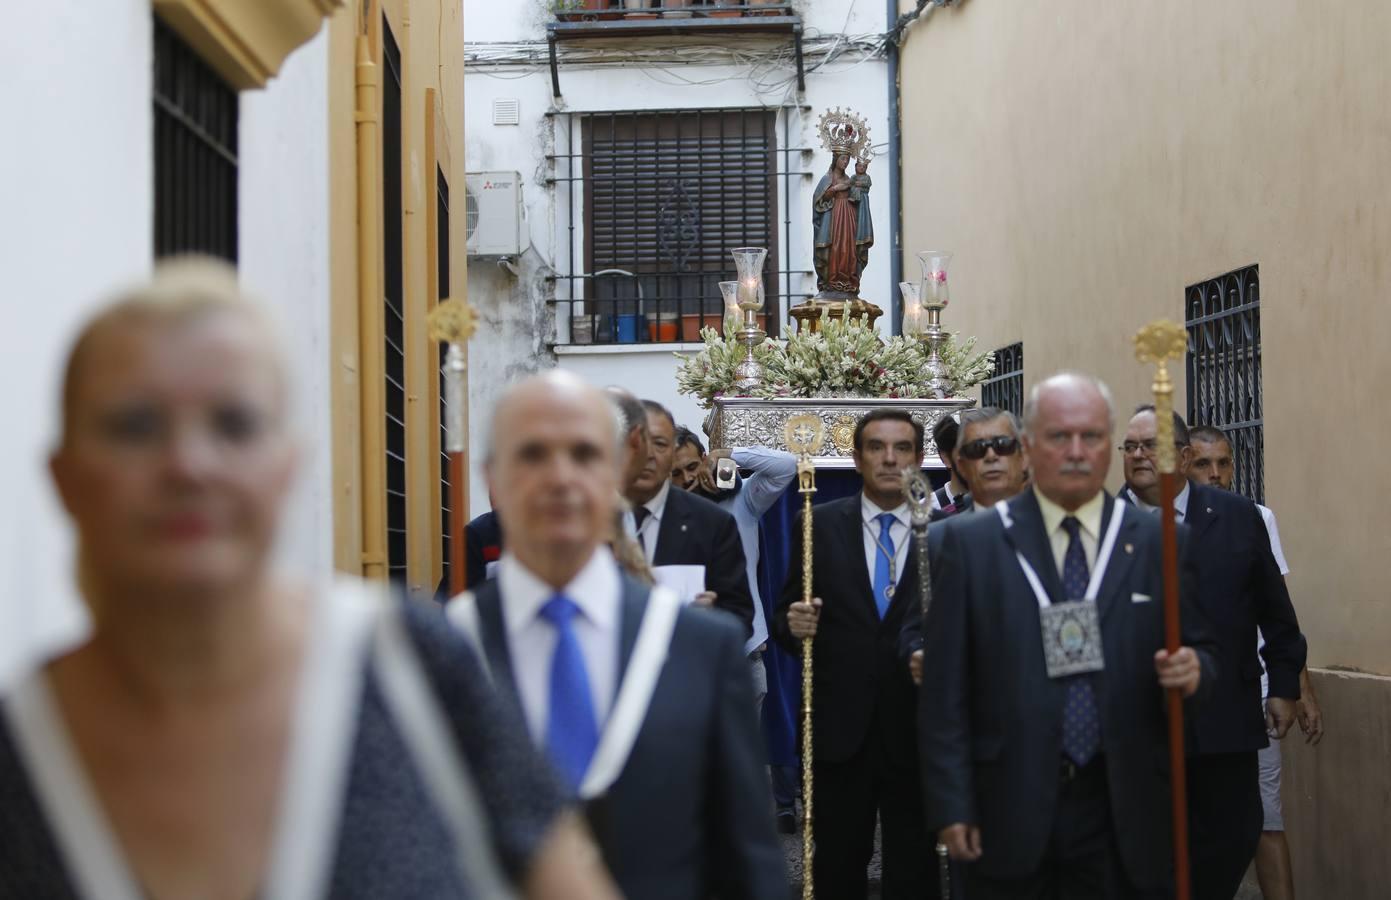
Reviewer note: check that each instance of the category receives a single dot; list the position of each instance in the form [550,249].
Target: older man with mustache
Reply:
[1042,713]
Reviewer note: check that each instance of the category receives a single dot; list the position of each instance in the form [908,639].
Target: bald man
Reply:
[643,705]
[1042,726]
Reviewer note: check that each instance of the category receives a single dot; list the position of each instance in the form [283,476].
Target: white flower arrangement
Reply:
[842,359]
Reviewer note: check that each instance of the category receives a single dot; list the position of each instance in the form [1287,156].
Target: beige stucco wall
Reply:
[1087,161]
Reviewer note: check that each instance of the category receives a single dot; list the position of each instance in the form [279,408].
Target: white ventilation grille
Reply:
[507,112]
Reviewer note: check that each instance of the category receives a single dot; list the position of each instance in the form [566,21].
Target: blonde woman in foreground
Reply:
[226,733]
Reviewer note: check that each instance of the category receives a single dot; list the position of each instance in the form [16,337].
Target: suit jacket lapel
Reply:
[669,529]
[1027,536]
[629,618]
[492,629]
[859,568]
[1199,516]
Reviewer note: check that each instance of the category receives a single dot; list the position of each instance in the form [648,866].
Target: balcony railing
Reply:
[582,19]
[641,10]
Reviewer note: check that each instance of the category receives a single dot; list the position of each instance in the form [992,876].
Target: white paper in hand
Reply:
[685,581]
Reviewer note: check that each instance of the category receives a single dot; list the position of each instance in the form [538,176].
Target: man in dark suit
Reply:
[863,757]
[1239,588]
[991,460]
[642,704]
[678,528]
[1042,721]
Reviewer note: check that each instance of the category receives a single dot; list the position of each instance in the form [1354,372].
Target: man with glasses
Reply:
[989,455]
[1212,464]
[1239,589]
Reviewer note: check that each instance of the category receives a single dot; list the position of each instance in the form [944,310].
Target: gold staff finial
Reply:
[452,322]
[1158,342]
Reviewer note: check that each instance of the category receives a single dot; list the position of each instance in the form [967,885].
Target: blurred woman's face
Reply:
[176,455]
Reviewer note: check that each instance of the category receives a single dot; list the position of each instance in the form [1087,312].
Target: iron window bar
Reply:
[1225,387]
[1005,386]
[195,152]
[583,314]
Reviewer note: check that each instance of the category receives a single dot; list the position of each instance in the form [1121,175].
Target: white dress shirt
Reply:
[898,531]
[531,639]
[1088,514]
[652,525]
[1273,529]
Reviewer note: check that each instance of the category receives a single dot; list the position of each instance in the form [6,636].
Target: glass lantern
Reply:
[934,292]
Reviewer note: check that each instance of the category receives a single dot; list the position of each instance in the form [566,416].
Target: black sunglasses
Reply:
[1001,444]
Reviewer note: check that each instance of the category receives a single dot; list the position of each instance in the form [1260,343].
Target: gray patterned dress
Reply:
[370,813]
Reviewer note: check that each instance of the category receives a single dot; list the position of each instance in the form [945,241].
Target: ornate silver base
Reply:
[937,383]
[747,422]
[748,375]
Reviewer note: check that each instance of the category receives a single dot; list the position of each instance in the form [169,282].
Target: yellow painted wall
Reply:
[1088,161]
[430,36]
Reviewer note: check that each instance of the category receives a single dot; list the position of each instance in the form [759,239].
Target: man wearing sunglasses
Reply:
[989,455]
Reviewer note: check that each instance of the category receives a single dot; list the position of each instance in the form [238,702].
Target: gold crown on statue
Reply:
[842,131]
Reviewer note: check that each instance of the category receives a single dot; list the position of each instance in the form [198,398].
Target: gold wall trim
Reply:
[245,41]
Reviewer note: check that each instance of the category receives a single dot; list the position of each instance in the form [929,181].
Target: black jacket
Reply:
[991,718]
[1239,587]
[696,532]
[690,817]
[857,680]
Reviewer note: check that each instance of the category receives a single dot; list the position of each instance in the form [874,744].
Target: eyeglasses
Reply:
[1001,444]
[1149,446]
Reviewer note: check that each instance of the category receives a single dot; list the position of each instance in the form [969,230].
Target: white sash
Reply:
[1103,556]
[634,694]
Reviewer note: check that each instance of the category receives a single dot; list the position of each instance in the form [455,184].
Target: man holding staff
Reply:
[1042,726]
[864,586]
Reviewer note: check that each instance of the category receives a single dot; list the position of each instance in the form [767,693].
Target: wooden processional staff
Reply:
[1157,343]
[803,435]
[917,490]
[452,322]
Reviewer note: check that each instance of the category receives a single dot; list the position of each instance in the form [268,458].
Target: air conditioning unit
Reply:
[493,214]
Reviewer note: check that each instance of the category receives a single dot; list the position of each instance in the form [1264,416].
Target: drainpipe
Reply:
[895,177]
[371,389]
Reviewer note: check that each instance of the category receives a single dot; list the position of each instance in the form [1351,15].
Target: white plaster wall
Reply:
[76,190]
[284,234]
[516,320]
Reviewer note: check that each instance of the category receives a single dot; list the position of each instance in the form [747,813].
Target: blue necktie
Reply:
[1081,722]
[572,732]
[884,564]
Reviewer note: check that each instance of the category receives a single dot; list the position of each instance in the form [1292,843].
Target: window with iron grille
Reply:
[1223,316]
[661,198]
[195,152]
[1005,386]
[442,252]
[394,356]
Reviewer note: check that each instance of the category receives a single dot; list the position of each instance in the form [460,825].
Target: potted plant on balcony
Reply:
[722,12]
[767,12]
[567,10]
[637,9]
[677,9]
